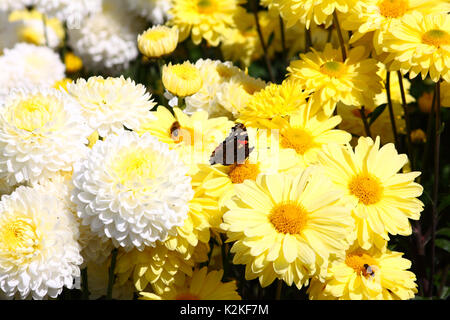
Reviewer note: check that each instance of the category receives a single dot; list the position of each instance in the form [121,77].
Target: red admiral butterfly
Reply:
[234,149]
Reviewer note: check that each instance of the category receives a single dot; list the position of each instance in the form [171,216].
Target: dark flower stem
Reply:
[339,33]
[437,142]
[111,277]
[391,109]
[263,44]
[407,120]
[362,111]
[85,286]
[279,289]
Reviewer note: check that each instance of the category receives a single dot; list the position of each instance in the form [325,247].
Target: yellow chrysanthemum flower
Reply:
[62,84]
[202,285]
[352,82]
[158,41]
[307,134]
[195,136]
[286,226]
[204,19]
[376,17]
[383,199]
[375,274]
[275,100]
[307,11]
[73,63]
[181,79]
[420,44]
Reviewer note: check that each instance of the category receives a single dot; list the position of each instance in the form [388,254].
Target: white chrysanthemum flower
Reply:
[33,66]
[98,283]
[39,253]
[106,41]
[41,133]
[214,74]
[132,189]
[93,248]
[112,103]
[69,10]
[156,11]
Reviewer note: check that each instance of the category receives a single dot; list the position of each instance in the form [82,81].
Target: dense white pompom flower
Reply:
[41,133]
[39,252]
[156,11]
[112,103]
[32,66]
[93,248]
[69,10]
[10,5]
[106,41]
[132,189]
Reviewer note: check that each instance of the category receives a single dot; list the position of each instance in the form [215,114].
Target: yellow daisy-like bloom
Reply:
[73,63]
[307,134]
[195,136]
[374,274]
[181,79]
[202,285]
[420,44]
[307,11]
[376,17]
[204,19]
[62,84]
[286,226]
[352,82]
[275,100]
[158,41]
[383,199]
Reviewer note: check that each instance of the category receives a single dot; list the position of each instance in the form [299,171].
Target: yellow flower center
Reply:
[186,72]
[393,8]
[436,37]
[288,218]
[366,188]
[206,6]
[179,134]
[154,35]
[73,63]
[362,263]
[333,68]
[134,166]
[18,238]
[298,139]
[33,113]
[30,35]
[241,172]
[186,296]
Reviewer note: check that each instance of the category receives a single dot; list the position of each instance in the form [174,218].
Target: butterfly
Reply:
[234,149]
[369,270]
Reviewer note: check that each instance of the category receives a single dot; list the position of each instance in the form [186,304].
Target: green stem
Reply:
[437,142]
[391,109]
[279,289]
[341,38]
[407,120]
[85,284]
[44,21]
[362,111]
[111,276]
[263,44]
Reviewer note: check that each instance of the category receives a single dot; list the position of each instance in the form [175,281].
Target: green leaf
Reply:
[376,113]
[443,244]
[444,232]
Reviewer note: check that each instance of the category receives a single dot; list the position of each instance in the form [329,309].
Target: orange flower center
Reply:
[366,188]
[288,218]
[436,37]
[241,172]
[333,68]
[362,263]
[393,8]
